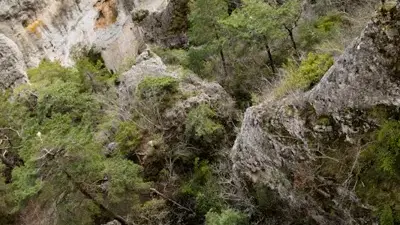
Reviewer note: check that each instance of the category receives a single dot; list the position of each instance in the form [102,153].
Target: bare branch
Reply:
[172,201]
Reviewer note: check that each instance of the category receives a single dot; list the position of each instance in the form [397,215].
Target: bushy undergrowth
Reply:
[380,173]
[306,75]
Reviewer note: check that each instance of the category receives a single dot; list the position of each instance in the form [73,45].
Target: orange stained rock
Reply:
[107,13]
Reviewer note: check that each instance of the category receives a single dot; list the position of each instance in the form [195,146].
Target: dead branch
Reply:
[172,201]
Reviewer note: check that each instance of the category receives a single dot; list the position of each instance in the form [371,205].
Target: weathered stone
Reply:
[149,64]
[53,29]
[166,27]
[12,66]
[281,141]
[114,222]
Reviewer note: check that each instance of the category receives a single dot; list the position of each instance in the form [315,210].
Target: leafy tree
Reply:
[257,20]
[289,15]
[205,30]
[316,31]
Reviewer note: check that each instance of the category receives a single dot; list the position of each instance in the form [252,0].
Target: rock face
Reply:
[56,29]
[300,151]
[167,27]
[12,65]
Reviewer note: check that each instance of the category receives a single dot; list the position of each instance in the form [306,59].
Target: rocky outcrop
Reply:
[168,114]
[167,27]
[12,65]
[301,151]
[148,64]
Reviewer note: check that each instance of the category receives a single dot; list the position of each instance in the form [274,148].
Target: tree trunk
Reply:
[271,60]
[97,203]
[290,32]
[221,53]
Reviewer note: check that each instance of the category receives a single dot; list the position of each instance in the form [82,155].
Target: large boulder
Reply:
[12,66]
[301,151]
[197,91]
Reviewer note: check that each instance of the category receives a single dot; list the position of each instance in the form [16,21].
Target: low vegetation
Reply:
[380,173]
[304,76]
[69,155]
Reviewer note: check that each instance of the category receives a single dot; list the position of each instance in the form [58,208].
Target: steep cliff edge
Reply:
[301,151]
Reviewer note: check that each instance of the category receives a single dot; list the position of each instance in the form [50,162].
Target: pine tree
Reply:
[256,21]
[205,29]
[259,21]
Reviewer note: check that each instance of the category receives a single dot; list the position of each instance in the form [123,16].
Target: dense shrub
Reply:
[203,188]
[202,125]
[314,32]
[58,115]
[380,172]
[172,56]
[226,217]
[306,75]
[128,137]
[159,90]
[386,216]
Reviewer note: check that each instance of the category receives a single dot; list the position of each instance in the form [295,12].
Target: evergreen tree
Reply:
[205,29]
[257,21]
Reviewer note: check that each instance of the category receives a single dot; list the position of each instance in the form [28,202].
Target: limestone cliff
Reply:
[302,150]
[59,29]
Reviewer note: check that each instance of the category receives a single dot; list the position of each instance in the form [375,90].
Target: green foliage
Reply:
[173,56]
[157,87]
[95,76]
[6,206]
[306,75]
[208,37]
[386,149]
[157,94]
[226,217]
[256,19]
[386,217]
[199,61]
[203,18]
[204,188]
[125,182]
[128,137]
[314,32]
[202,125]
[153,212]
[380,175]
[60,113]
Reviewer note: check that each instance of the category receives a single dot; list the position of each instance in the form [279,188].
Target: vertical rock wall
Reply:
[57,29]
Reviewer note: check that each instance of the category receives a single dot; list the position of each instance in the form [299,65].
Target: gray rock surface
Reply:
[54,29]
[12,65]
[149,64]
[114,222]
[285,145]
[165,27]
[61,29]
